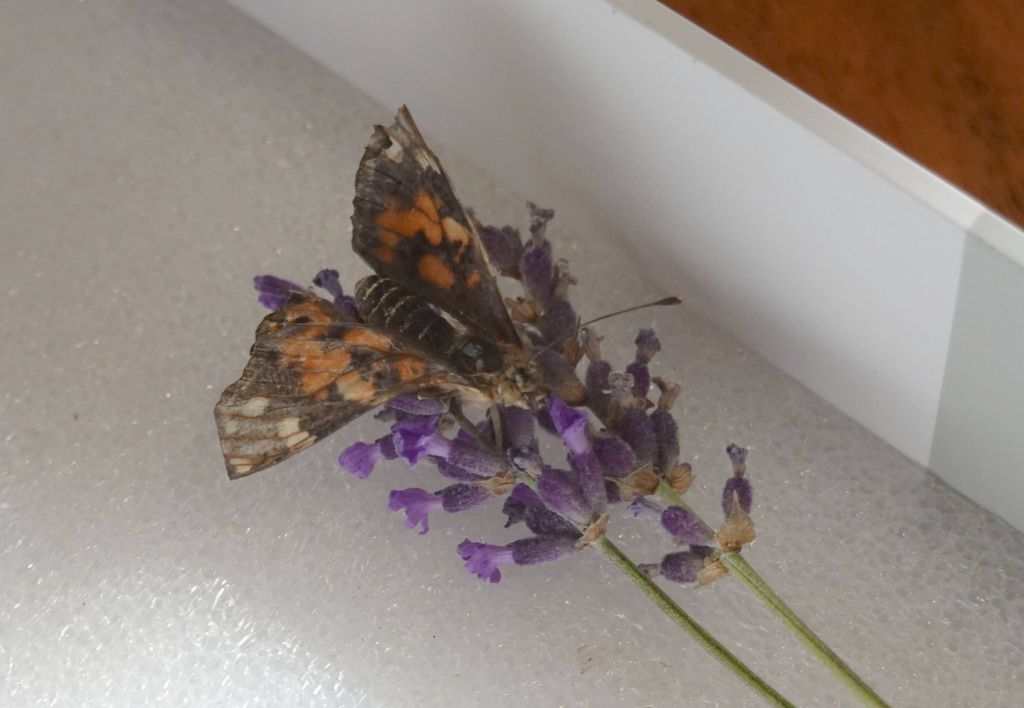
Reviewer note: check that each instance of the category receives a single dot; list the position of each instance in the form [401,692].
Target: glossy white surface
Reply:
[157,154]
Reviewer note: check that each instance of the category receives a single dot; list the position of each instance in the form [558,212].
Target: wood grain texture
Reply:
[940,80]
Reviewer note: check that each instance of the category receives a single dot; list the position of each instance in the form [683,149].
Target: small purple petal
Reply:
[518,501]
[642,506]
[682,567]
[482,560]
[411,403]
[274,291]
[417,504]
[571,425]
[417,437]
[636,428]
[737,488]
[667,435]
[359,458]
[591,480]
[541,549]
[615,456]
[562,494]
[647,345]
[684,526]
[459,497]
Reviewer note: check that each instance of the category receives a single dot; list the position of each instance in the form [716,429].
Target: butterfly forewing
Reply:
[409,226]
[310,373]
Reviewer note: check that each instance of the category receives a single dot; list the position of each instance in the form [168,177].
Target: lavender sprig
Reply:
[630,453]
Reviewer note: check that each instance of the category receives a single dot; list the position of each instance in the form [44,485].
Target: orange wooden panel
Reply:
[940,80]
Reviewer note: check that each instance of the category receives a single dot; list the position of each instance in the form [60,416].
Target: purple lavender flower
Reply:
[274,292]
[328,280]
[483,560]
[737,488]
[666,434]
[359,458]
[637,429]
[418,503]
[561,491]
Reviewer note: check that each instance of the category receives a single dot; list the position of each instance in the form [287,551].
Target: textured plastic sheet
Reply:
[154,156]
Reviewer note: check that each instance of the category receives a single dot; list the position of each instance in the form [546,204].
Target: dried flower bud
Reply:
[539,218]
[669,393]
[636,428]
[591,344]
[638,484]
[522,309]
[682,567]
[685,526]
[737,530]
[712,572]
[593,532]
[667,435]
[737,489]
[680,478]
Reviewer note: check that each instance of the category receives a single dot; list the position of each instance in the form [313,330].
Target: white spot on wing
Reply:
[254,407]
[287,426]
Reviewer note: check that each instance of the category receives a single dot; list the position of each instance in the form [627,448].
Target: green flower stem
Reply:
[739,567]
[689,625]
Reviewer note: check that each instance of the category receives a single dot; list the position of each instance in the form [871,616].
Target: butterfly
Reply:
[313,367]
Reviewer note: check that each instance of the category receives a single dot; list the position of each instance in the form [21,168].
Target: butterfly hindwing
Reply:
[310,373]
[409,226]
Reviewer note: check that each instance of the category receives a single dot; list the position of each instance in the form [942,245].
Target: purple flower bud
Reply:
[737,488]
[738,457]
[644,507]
[482,559]
[667,435]
[636,428]
[641,378]
[538,271]
[452,472]
[615,456]
[504,247]
[684,526]
[472,458]
[413,404]
[417,503]
[647,345]
[544,522]
[541,549]
[359,458]
[561,492]
[682,567]
[517,428]
[274,291]
[459,497]
[558,321]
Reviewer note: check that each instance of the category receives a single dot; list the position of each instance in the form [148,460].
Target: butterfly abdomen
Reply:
[381,302]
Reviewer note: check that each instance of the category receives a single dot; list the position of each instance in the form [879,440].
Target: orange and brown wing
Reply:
[409,226]
[309,374]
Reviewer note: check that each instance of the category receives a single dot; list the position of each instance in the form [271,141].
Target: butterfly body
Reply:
[313,368]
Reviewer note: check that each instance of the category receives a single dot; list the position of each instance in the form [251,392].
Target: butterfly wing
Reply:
[310,373]
[408,226]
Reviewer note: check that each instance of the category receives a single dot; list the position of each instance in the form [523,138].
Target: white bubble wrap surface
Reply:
[153,157]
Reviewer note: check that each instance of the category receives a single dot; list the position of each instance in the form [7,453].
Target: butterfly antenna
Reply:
[673,300]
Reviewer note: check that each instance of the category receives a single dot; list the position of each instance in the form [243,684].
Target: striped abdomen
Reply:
[384,303]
